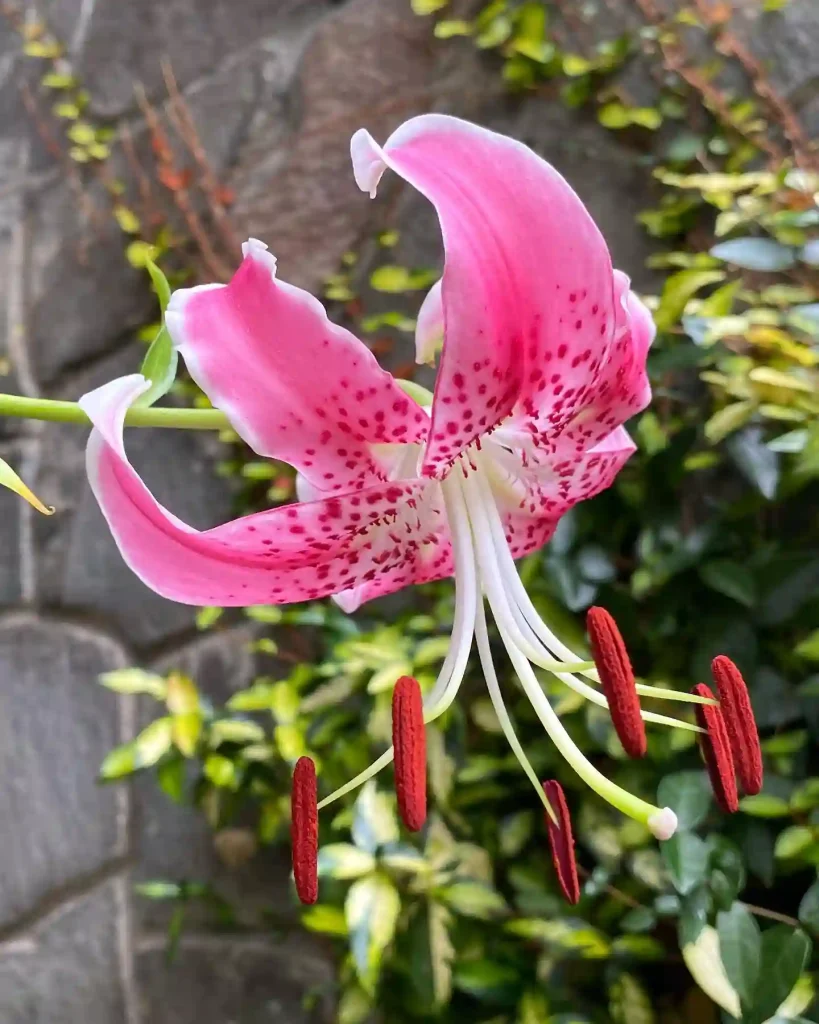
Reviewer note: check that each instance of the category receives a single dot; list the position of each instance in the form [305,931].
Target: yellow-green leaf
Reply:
[343,860]
[371,908]
[154,741]
[8,478]
[135,680]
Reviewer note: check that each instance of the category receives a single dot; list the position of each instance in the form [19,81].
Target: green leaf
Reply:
[629,1003]
[763,805]
[135,680]
[452,27]
[235,730]
[472,899]
[159,890]
[688,795]
[221,771]
[686,857]
[343,860]
[809,908]
[487,980]
[740,947]
[170,776]
[159,367]
[431,955]
[119,762]
[809,647]
[371,909]
[428,6]
[763,254]
[733,579]
[153,742]
[794,841]
[677,291]
[160,283]
[728,419]
[785,953]
[374,821]
[325,920]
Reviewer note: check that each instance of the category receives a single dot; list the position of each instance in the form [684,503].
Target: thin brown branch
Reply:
[180,115]
[213,264]
[772,915]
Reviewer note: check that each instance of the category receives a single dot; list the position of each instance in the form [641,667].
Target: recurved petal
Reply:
[527,293]
[376,535]
[533,489]
[294,385]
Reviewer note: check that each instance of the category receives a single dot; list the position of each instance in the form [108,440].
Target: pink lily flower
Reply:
[543,360]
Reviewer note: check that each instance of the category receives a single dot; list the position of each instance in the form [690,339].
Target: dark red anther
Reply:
[738,714]
[617,678]
[410,743]
[561,841]
[304,829]
[716,750]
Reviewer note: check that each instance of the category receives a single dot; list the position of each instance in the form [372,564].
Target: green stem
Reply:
[70,412]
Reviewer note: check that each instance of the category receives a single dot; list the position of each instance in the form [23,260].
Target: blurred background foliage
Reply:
[708,543]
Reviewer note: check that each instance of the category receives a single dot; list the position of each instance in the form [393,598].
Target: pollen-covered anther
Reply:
[304,830]
[738,714]
[561,841]
[410,744]
[617,678]
[716,751]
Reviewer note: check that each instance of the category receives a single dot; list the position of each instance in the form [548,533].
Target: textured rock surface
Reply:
[276,87]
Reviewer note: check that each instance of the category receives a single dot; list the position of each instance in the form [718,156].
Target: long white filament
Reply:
[493,687]
[452,671]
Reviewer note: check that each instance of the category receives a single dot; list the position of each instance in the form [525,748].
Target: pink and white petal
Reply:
[295,386]
[622,388]
[532,491]
[527,292]
[294,553]
[429,328]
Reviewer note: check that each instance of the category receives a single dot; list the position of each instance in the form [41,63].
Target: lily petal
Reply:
[532,495]
[527,293]
[429,329]
[293,553]
[294,385]
[622,388]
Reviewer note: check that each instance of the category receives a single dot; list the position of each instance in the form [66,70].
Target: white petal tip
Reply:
[257,250]
[663,824]
[368,161]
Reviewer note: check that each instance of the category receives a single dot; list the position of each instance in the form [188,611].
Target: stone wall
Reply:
[276,88]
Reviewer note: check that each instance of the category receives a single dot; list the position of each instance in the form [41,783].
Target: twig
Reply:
[213,264]
[772,915]
[184,123]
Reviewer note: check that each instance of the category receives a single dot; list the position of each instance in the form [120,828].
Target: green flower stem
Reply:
[70,412]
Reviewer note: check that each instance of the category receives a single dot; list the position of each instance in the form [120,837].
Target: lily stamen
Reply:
[740,724]
[304,830]
[617,677]
[410,746]
[716,751]
[561,842]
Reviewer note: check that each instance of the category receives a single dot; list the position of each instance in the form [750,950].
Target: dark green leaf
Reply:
[686,857]
[785,952]
[740,946]
[688,795]
[809,908]
[733,579]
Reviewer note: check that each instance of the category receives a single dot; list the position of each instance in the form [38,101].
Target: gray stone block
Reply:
[79,564]
[66,968]
[216,981]
[117,45]
[83,296]
[372,63]
[11,513]
[56,726]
